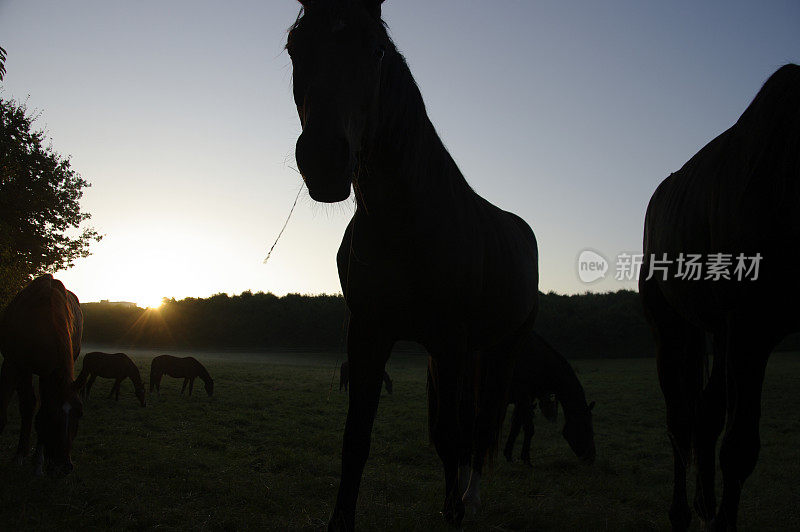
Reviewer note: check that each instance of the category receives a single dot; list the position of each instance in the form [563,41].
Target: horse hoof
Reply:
[339,523]
[453,511]
[509,458]
[471,507]
[18,459]
[39,472]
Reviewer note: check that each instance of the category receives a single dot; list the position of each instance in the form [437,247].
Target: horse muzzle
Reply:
[327,167]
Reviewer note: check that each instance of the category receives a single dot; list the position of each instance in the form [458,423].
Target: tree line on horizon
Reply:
[588,325]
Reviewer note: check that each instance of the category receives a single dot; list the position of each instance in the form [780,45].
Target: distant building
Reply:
[126,304]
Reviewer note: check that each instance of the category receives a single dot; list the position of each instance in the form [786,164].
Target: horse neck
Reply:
[567,388]
[133,374]
[404,161]
[202,372]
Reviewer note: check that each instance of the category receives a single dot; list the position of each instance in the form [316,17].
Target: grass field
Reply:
[264,453]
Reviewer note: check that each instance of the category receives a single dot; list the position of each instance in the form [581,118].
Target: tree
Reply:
[40,210]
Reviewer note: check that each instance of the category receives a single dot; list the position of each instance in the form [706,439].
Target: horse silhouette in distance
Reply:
[187,368]
[541,371]
[538,367]
[40,333]
[344,378]
[424,258]
[736,200]
[117,366]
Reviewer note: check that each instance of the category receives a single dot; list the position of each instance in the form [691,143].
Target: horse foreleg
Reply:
[528,431]
[746,361]
[443,413]
[367,351]
[115,389]
[185,382]
[27,404]
[7,386]
[496,370]
[516,425]
[191,386]
[39,459]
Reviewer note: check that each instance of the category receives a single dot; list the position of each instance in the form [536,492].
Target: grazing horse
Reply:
[542,370]
[117,366]
[188,368]
[424,258]
[736,200]
[40,333]
[344,378]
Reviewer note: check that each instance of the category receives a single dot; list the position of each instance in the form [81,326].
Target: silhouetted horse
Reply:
[117,366]
[188,368]
[40,333]
[344,378]
[739,195]
[424,258]
[542,370]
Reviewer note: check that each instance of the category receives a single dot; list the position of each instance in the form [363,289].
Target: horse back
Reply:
[38,331]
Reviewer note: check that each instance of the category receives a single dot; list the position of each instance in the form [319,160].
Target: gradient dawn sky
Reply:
[180,114]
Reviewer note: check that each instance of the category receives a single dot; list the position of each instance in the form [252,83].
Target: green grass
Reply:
[264,453]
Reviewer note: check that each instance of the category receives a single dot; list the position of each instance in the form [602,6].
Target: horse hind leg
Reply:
[746,358]
[679,357]
[711,419]
[185,382]
[191,386]
[89,385]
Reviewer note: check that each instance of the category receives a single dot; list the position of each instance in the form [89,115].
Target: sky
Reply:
[180,114]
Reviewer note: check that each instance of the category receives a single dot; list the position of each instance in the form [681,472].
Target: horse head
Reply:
[57,426]
[140,395]
[337,48]
[579,433]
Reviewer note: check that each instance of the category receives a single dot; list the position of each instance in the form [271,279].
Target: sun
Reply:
[149,302]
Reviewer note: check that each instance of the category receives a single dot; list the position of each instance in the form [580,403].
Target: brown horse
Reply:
[117,366]
[344,378]
[541,371]
[734,206]
[40,333]
[424,258]
[188,368]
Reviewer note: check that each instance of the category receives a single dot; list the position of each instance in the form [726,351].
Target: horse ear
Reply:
[591,405]
[374,7]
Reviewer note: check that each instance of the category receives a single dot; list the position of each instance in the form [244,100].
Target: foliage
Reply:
[39,204]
